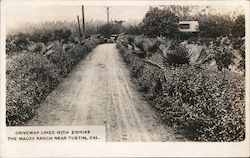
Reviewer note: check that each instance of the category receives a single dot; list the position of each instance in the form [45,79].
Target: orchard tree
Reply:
[182,11]
[160,22]
[222,53]
[239,26]
[214,25]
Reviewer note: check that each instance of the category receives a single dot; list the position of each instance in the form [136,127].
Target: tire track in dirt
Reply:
[99,92]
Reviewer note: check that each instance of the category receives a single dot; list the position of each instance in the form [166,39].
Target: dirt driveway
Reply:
[99,92]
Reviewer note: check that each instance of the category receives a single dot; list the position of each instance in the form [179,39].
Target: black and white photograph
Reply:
[149,72]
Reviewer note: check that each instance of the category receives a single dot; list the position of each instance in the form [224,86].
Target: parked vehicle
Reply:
[113,38]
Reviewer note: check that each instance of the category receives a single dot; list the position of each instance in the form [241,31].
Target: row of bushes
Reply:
[32,75]
[22,41]
[163,21]
[224,52]
[200,103]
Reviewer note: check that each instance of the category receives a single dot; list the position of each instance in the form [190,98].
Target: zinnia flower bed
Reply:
[201,103]
[31,76]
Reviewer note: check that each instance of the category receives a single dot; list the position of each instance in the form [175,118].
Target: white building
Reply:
[188,26]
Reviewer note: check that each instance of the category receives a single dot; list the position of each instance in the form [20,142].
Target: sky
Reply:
[18,15]
[34,14]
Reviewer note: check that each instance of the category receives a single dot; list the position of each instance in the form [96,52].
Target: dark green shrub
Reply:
[137,65]
[176,55]
[131,39]
[238,29]
[153,48]
[17,43]
[36,37]
[108,29]
[204,105]
[150,81]
[62,34]
[160,22]
[32,76]
[242,65]
[222,52]
[213,26]
[47,37]
[201,104]
[29,78]
[132,30]
[39,47]
[238,42]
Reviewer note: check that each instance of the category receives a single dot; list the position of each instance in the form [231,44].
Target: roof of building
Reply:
[188,22]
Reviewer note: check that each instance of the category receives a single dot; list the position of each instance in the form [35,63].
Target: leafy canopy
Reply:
[160,22]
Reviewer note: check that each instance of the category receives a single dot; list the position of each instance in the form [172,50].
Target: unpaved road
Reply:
[99,92]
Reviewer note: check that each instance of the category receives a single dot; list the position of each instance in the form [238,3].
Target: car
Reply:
[113,38]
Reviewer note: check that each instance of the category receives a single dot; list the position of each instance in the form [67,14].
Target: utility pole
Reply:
[108,14]
[83,28]
[83,23]
[80,33]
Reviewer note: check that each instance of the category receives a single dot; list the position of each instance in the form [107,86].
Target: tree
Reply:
[62,34]
[238,29]
[160,22]
[132,29]
[108,29]
[183,12]
[214,25]
[222,52]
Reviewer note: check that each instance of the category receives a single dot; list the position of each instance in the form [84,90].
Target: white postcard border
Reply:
[110,149]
